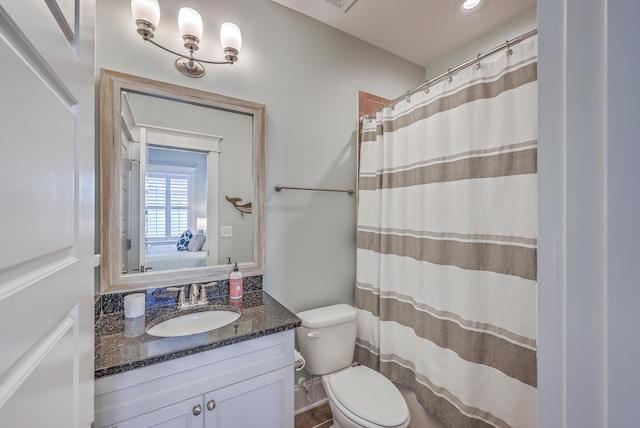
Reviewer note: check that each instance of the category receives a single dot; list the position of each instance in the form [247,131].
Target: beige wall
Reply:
[308,75]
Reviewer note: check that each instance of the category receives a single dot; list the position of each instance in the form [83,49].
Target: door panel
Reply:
[47,189]
[271,401]
[43,380]
[64,12]
[38,174]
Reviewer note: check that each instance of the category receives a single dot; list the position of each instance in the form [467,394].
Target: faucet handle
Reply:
[181,299]
[203,295]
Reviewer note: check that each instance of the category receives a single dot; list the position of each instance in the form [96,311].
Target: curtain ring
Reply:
[478,62]
[509,50]
[408,99]
[450,76]
[426,89]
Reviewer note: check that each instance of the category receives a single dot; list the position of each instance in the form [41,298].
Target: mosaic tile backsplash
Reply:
[165,296]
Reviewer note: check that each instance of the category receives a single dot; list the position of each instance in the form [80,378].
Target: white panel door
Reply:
[47,198]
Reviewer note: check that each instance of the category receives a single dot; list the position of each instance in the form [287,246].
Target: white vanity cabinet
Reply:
[248,384]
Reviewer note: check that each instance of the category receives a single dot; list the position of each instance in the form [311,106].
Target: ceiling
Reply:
[419,31]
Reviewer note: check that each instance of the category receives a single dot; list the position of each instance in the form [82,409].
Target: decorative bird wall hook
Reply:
[244,208]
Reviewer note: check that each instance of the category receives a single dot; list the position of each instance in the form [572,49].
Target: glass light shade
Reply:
[230,36]
[190,22]
[146,10]
[201,223]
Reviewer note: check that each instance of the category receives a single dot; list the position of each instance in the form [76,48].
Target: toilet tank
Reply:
[327,338]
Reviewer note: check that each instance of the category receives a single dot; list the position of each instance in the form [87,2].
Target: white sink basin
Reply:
[193,322]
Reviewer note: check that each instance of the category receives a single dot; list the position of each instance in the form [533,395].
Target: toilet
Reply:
[358,396]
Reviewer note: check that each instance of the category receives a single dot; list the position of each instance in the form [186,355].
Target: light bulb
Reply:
[146,10]
[190,22]
[230,36]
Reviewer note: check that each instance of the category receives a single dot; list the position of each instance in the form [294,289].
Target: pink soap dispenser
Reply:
[235,283]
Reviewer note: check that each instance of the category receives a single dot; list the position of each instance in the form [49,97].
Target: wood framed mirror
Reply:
[177,161]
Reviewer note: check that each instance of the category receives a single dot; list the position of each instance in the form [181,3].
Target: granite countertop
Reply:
[122,344]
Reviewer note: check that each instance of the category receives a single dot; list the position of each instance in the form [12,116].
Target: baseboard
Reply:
[301,404]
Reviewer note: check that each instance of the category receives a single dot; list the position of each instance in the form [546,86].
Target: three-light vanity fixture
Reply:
[146,14]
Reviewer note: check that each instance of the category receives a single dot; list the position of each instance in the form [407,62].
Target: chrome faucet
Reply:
[193,295]
[194,300]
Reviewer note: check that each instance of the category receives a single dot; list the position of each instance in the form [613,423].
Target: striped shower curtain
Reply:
[447,241]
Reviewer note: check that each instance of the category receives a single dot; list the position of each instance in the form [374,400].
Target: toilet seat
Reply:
[367,397]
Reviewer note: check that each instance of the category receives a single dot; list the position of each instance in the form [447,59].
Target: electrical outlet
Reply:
[226,231]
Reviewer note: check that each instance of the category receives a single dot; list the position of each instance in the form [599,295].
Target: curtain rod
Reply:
[449,73]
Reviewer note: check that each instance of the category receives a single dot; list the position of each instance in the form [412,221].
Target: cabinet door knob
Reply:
[211,405]
[197,410]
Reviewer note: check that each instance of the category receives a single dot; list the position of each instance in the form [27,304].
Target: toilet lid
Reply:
[369,395]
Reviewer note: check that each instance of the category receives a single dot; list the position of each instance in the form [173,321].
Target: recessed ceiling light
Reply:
[470,5]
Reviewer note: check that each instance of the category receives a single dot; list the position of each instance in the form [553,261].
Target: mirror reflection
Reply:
[182,184]
[190,164]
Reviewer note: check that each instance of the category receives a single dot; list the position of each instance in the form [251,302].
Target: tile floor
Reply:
[318,417]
